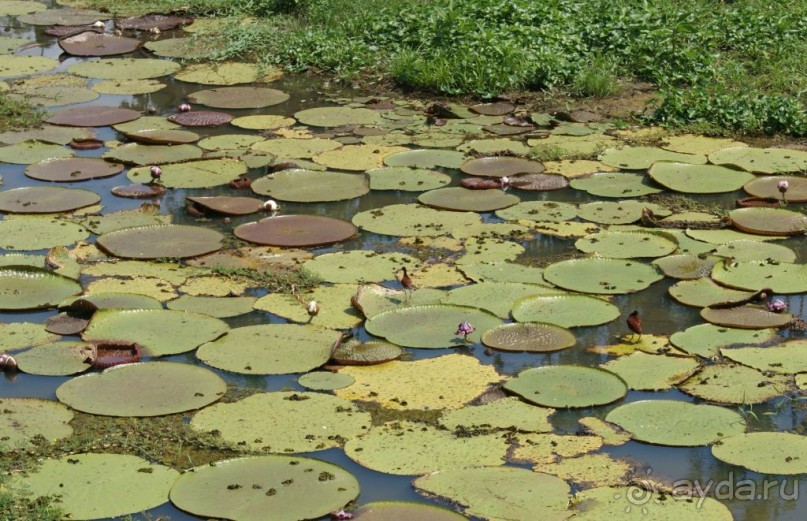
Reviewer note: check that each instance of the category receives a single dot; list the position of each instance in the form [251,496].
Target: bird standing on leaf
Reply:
[635,325]
[406,282]
[313,309]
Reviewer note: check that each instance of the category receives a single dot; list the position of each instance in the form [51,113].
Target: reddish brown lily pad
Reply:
[239,97]
[229,205]
[72,169]
[110,353]
[91,43]
[91,116]
[154,242]
[501,166]
[479,183]
[539,182]
[163,22]
[66,324]
[86,144]
[498,108]
[201,118]
[296,231]
[138,191]
[46,199]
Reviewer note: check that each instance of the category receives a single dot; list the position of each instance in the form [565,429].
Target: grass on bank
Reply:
[732,66]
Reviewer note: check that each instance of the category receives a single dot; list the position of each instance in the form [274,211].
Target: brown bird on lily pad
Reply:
[635,324]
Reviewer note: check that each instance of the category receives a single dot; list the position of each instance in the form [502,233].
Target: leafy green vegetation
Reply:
[16,114]
[731,66]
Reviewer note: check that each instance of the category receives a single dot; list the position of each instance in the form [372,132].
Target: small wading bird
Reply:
[635,325]
[313,309]
[155,172]
[406,282]
[270,206]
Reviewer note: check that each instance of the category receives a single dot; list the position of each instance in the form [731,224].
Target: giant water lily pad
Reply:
[695,144]
[204,173]
[12,65]
[406,179]
[227,73]
[24,288]
[55,359]
[427,159]
[214,306]
[153,242]
[91,43]
[159,331]
[725,235]
[22,419]
[228,205]
[201,118]
[270,349]
[502,272]
[734,384]
[27,152]
[291,148]
[239,97]
[496,297]
[52,96]
[394,510]
[140,154]
[686,267]
[645,372]
[505,413]
[565,310]
[781,277]
[337,116]
[703,292]
[128,87]
[124,68]
[71,170]
[290,487]
[39,232]
[146,215]
[429,327]
[454,380]
[501,166]
[698,179]
[676,423]
[408,448]
[539,211]
[23,334]
[359,265]
[19,7]
[531,337]
[144,389]
[356,157]
[769,221]
[589,470]
[601,275]
[46,199]
[618,185]
[308,186]
[542,449]
[334,303]
[364,353]
[463,199]
[745,317]
[635,503]
[482,491]
[769,187]
[413,220]
[642,158]
[741,251]
[571,386]
[706,340]
[765,452]
[790,357]
[761,160]
[297,231]
[96,486]
[63,16]
[325,380]
[618,212]
[626,245]
[284,422]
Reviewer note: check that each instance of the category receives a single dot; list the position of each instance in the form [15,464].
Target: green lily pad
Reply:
[539,211]
[504,414]
[39,232]
[706,340]
[541,449]
[170,272]
[47,134]
[128,87]
[337,116]
[704,292]
[408,448]
[160,331]
[24,418]
[263,122]
[777,453]
[154,242]
[28,152]
[325,380]
[615,184]
[290,487]
[53,96]
[356,157]
[291,148]
[239,97]
[124,68]
[296,231]
[698,179]
[482,491]
[761,160]
[23,288]
[645,372]
[140,154]
[365,353]
[429,327]
[785,358]
[589,470]
[675,423]
[359,266]
[307,186]
[12,65]
[462,199]
[686,267]
[618,212]
[695,144]
[723,236]
[496,297]
[626,245]
[734,384]
[426,158]
[500,166]
[601,275]
[204,173]
[144,389]
[19,7]
[502,272]
[489,249]
[769,221]
[184,48]
[610,433]
[607,504]
[642,158]
[334,303]
[565,310]
[567,386]
[63,16]
[55,359]
[227,73]
[270,349]
[413,220]
[96,486]
[219,307]
[229,141]
[742,251]
[782,277]
[455,380]
[8,45]
[745,317]
[393,510]
[283,422]
[531,337]
[406,179]
[110,222]
[768,186]
[494,146]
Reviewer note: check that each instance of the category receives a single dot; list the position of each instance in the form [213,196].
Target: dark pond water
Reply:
[787,496]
